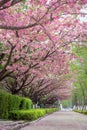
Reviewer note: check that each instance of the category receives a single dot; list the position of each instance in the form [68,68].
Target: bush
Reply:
[3,105]
[30,114]
[51,110]
[14,102]
[81,111]
[26,104]
[26,114]
[9,102]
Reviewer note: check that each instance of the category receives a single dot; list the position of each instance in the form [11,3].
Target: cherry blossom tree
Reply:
[35,38]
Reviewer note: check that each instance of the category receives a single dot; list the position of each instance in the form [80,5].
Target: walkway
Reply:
[60,121]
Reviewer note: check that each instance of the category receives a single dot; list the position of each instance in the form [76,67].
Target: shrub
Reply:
[13,102]
[9,102]
[3,105]
[26,114]
[85,112]
[51,110]
[30,114]
[81,111]
[26,104]
[10,106]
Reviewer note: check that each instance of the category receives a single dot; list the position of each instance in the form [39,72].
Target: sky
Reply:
[84,19]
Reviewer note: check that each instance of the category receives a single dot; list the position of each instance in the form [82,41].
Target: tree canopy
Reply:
[35,43]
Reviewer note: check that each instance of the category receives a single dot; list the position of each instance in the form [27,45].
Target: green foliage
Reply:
[80,111]
[79,67]
[1,46]
[26,114]
[1,66]
[14,102]
[66,103]
[26,104]
[50,110]
[3,105]
[80,51]
[10,106]
[30,114]
[9,102]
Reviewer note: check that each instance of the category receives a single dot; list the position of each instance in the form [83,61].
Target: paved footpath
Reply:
[60,121]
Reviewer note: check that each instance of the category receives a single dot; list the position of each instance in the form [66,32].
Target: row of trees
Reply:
[35,38]
[80,77]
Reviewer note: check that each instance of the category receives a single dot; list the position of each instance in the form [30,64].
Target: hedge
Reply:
[51,110]
[9,102]
[81,111]
[3,105]
[26,104]
[30,114]
[14,102]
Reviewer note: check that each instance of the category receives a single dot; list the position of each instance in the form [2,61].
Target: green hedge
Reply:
[9,102]
[26,104]
[51,110]
[3,105]
[81,111]
[14,102]
[30,114]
